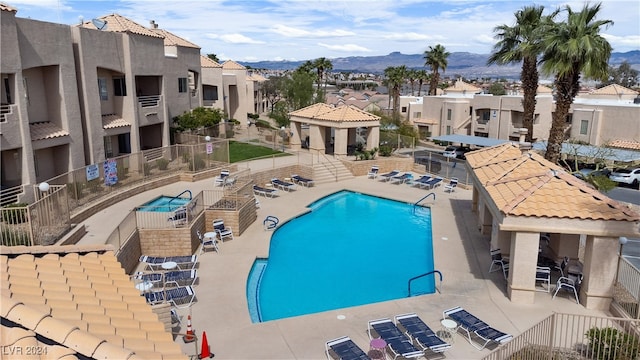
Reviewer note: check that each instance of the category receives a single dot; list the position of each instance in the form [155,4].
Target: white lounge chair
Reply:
[373,173]
[223,231]
[451,186]
[283,185]
[297,179]
[266,192]
[389,175]
[479,334]
[421,333]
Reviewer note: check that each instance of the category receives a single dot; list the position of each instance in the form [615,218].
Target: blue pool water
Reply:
[163,204]
[350,249]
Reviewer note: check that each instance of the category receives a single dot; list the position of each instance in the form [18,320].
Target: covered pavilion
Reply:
[332,130]
[518,195]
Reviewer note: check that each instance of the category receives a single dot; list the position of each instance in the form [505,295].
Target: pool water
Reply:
[164,204]
[351,249]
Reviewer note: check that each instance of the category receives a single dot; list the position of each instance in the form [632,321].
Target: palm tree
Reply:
[436,58]
[213,57]
[573,47]
[322,66]
[395,77]
[422,77]
[523,42]
[412,76]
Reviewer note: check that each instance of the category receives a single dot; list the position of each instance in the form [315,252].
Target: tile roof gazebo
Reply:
[518,195]
[324,119]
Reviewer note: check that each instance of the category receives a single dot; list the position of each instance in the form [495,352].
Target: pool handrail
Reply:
[424,197]
[419,276]
[178,196]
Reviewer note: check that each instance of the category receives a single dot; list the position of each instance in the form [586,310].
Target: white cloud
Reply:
[345,47]
[631,41]
[412,36]
[288,31]
[234,39]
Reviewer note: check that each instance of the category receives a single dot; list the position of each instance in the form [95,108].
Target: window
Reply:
[404,109]
[448,114]
[182,85]
[26,90]
[102,89]
[486,116]
[417,115]
[584,127]
[210,93]
[108,148]
[7,90]
[448,130]
[119,87]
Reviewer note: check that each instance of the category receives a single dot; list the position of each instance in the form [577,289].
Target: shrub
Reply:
[610,343]
[197,163]
[162,163]
[14,237]
[15,216]
[74,190]
[385,150]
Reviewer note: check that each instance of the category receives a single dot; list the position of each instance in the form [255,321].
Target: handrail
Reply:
[330,163]
[424,197]
[419,276]
[177,196]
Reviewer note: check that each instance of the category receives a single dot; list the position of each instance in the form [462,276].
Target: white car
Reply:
[626,176]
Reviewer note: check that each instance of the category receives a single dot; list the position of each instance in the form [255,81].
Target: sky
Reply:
[297,30]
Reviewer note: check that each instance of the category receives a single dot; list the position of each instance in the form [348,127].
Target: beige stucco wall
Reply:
[606,122]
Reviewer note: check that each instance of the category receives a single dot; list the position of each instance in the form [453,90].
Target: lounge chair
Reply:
[397,342]
[171,278]
[345,349]
[283,185]
[401,179]
[433,183]
[182,262]
[471,325]
[223,231]
[389,175]
[451,186]
[373,173]
[180,297]
[266,192]
[297,179]
[421,333]
[421,181]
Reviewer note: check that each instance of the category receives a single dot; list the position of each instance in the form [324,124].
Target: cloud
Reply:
[631,41]
[234,39]
[288,31]
[345,47]
[411,36]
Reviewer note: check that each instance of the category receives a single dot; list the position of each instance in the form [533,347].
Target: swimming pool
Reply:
[351,249]
[163,203]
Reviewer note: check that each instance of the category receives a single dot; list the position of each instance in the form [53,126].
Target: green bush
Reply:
[14,237]
[162,163]
[186,157]
[198,163]
[147,169]
[15,216]
[610,343]
[385,150]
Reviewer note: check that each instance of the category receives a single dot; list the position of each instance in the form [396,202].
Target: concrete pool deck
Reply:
[461,253]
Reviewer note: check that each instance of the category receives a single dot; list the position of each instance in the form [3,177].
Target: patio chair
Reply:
[401,179]
[266,192]
[543,275]
[389,175]
[344,348]
[570,283]
[420,181]
[154,263]
[451,186]
[180,297]
[169,278]
[373,172]
[283,185]
[397,342]
[176,321]
[421,333]
[223,231]
[476,329]
[498,262]
[220,180]
[179,217]
[207,243]
[297,179]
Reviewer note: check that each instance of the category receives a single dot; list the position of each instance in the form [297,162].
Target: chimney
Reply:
[153,24]
[523,145]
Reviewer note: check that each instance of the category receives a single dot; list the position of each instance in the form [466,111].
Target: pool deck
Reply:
[461,253]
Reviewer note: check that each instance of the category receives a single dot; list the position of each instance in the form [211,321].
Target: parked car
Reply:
[626,176]
[455,151]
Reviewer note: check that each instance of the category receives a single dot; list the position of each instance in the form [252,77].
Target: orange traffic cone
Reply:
[205,353]
[189,336]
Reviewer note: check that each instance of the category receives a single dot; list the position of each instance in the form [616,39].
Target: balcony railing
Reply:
[149,101]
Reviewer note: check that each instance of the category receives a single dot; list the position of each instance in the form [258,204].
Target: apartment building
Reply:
[77,95]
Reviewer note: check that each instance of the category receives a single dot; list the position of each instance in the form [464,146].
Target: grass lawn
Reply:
[239,151]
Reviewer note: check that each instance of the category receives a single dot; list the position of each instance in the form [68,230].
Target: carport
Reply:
[333,129]
[518,195]
[471,140]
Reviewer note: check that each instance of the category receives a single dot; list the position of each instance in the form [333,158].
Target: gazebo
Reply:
[333,129]
[518,195]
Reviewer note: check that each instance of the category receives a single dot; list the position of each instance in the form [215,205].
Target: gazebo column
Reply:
[500,239]
[373,137]
[316,139]
[340,142]
[485,219]
[295,141]
[599,271]
[474,199]
[522,267]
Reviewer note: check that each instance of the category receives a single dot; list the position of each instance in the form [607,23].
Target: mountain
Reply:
[460,63]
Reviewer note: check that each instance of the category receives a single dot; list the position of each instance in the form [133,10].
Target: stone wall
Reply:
[237,220]
[385,164]
[129,254]
[171,241]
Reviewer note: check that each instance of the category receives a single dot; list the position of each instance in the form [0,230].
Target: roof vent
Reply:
[153,24]
[522,144]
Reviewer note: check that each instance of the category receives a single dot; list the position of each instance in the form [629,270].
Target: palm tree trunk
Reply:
[433,86]
[530,86]
[566,89]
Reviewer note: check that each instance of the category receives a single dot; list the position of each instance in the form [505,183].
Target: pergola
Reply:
[335,126]
[518,195]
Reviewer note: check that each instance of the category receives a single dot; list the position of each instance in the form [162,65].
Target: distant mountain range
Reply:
[460,63]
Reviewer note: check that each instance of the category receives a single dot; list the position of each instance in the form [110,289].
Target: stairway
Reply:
[330,170]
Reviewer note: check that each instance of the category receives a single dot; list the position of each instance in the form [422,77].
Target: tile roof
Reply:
[232,65]
[118,23]
[205,62]
[46,130]
[544,90]
[613,89]
[6,7]
[80,300]
[256,77]
[463,86]
[528,185]
[113,121]
[345,113]
[625,144]
[171,39]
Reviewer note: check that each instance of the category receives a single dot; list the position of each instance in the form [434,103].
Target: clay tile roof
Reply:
[46,130]
[613,89]
[625,144]
[113,121]
[544,90]
[5,7]
[232,65]
[326,112]
[528,185]
[205,62]
[117,23]
[171,39]
[463,86]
